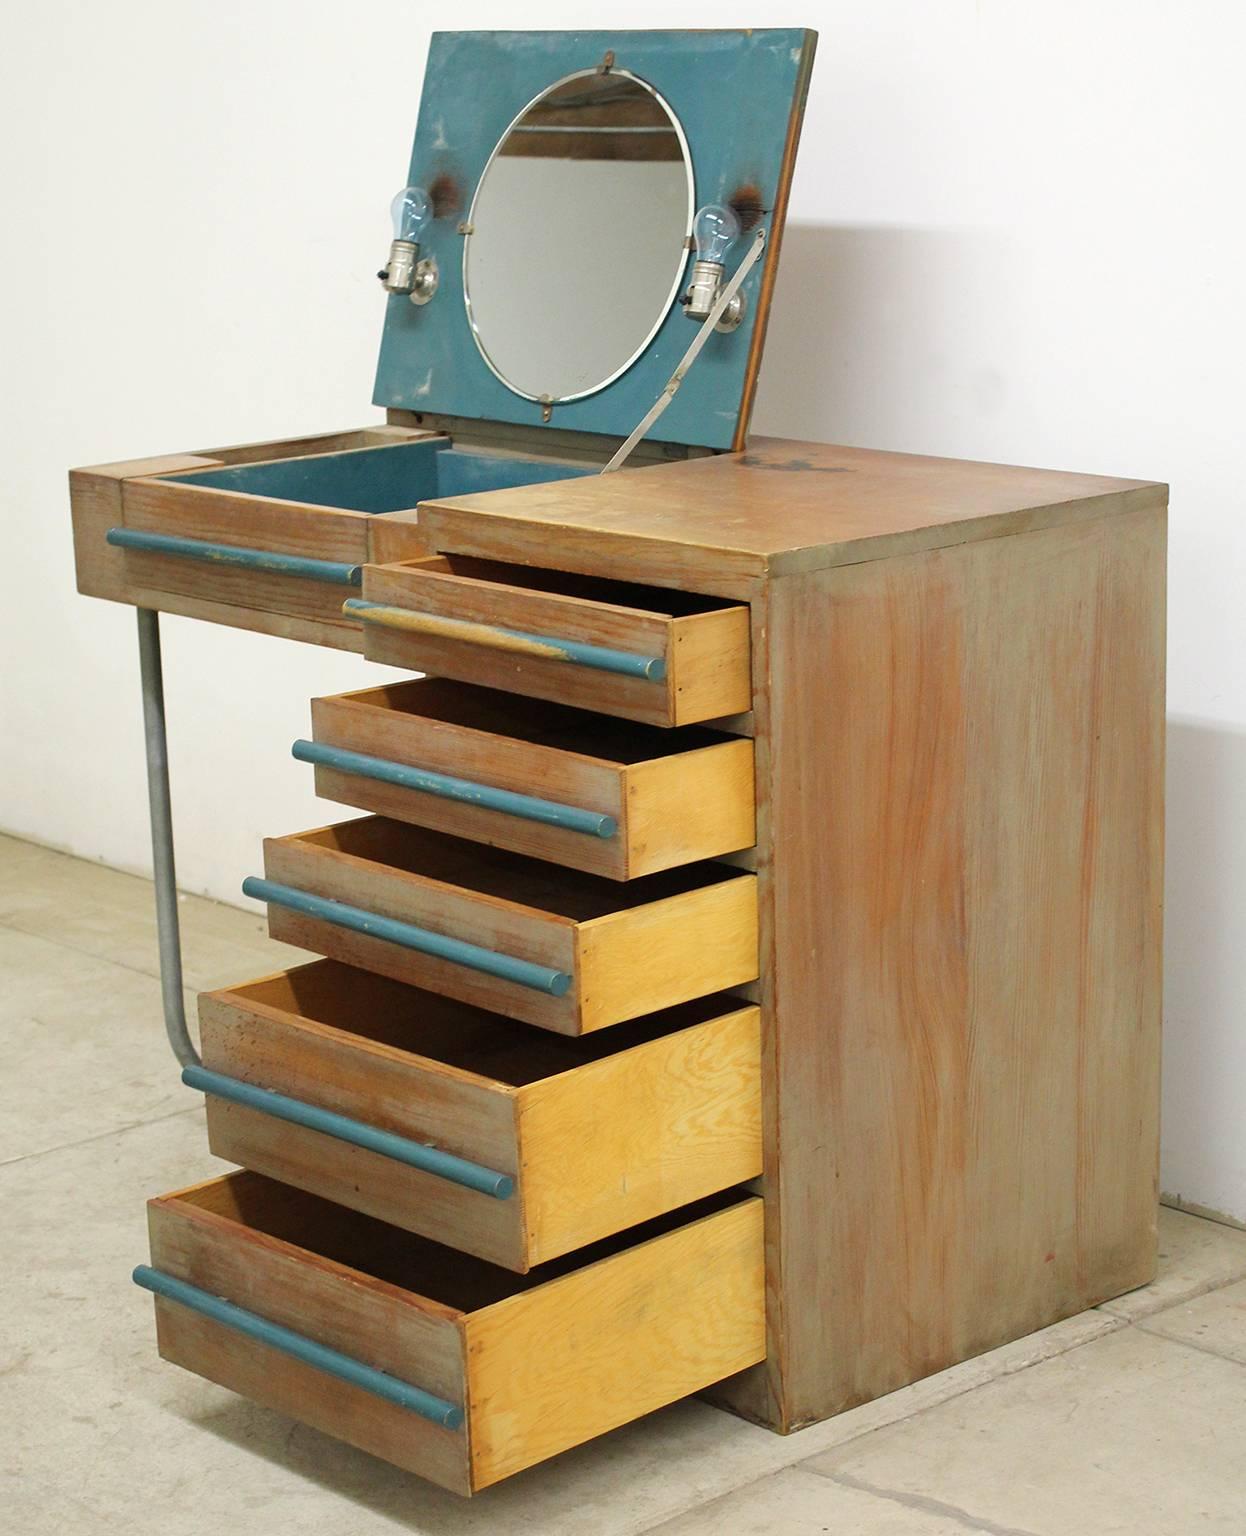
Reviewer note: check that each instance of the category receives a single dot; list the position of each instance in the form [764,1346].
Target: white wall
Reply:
[1016,233]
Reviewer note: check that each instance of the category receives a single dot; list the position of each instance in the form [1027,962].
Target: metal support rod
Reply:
[167,926]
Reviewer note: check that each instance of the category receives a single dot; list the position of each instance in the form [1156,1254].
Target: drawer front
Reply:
[506,1143]
[245,551]
[496,626]
[559,949]
[256,553]
[560,784]
[438,1363]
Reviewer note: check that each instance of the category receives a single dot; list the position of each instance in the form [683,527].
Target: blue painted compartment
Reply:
[391,478]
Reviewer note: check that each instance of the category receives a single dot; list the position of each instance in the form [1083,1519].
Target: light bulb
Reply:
[411,209]
[715,230]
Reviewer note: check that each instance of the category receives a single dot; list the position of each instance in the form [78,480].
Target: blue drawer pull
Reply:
[519,641]
[297,1345]
[549,812]
[335,571]
[540,978]
[429,1159]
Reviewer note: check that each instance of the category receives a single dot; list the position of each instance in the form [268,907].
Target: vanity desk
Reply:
[745,979]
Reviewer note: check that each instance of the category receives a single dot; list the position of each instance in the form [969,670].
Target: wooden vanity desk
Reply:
[957,719]
[745,978]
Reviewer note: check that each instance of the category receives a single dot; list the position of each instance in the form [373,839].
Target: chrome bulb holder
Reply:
[424,284]
[398,276]
[702,294]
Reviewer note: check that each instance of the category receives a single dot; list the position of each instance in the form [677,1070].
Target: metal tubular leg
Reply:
[167,926]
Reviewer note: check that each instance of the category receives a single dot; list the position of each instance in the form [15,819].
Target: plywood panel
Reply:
[964,755]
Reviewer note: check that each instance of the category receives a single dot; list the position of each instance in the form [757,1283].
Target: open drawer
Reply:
[274,536]
[504,1141]
[555,947]
[435,1361]
[645,653]
[582,789]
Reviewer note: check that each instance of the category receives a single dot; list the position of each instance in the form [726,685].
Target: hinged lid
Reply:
[564,171]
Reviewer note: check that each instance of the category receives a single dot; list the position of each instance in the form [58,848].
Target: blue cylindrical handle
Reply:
[539,978]
[345,1367]
[335,571]
[428,1159]
[549,812]
[471,632]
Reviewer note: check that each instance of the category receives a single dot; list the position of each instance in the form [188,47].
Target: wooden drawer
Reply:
[603,795]
[646,653]
[508,1142]
[440,1363]
[276,529]
[555,947]
[273,536]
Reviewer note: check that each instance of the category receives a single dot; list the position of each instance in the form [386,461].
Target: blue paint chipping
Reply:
[733,93]
[269,561]
[524,973]
[600,657]
[548,812]
[392,1388]
[428,1159]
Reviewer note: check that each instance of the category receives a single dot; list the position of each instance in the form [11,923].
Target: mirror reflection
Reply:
[577,242]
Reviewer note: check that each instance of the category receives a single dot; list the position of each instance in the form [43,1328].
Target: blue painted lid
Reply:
[736,98]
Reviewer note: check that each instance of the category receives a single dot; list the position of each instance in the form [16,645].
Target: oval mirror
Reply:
[576,248]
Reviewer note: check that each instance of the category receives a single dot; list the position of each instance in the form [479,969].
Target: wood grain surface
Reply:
[962,752]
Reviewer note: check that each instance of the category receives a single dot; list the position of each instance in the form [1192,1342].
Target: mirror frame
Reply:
[738,97]
[680,271]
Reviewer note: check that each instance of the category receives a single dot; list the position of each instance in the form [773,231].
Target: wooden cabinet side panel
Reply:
[95,506]
[962,774]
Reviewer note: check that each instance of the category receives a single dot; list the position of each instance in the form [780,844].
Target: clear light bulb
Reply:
[411,210]
[715,230]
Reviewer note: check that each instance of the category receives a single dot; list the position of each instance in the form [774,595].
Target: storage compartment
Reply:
[539,1143]
[610,797]
[555,947]
[438,1362]
[378,479]
[273,532]
[647,653]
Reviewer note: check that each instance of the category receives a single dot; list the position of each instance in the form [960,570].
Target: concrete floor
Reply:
[1129,1419]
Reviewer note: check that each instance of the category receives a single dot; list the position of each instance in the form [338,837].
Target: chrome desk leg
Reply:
[167,927]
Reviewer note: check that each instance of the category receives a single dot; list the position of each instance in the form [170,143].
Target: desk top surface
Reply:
[781,506]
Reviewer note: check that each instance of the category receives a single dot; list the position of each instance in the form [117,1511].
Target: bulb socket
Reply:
[703,288]
[399,274]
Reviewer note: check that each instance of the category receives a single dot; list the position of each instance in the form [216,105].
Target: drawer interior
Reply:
[429,1270]
[665,602]
[375,1010]
[388,478]
[536,721]
[509,877]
